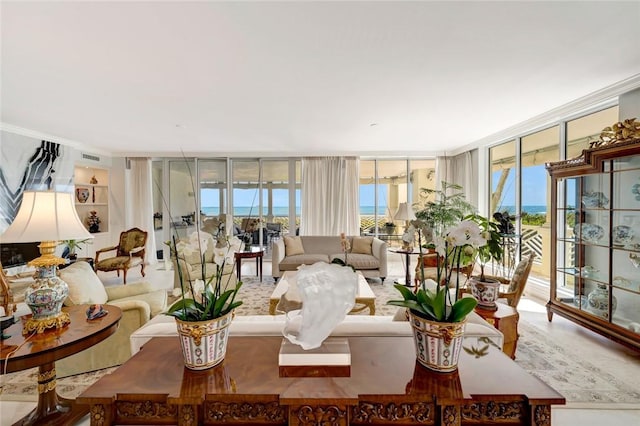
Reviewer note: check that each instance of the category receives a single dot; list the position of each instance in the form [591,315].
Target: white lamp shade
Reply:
[45,216]
[404,213]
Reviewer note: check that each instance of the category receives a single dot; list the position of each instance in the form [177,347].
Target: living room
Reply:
[220,103]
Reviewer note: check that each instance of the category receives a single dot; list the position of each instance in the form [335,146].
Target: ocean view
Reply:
[283,211]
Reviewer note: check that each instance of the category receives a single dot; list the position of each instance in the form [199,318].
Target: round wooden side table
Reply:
[44,349]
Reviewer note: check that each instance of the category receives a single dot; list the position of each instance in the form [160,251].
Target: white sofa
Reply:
[353,325]
[325,249]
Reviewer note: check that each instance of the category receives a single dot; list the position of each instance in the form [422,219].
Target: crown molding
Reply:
[600,99]
[52,138]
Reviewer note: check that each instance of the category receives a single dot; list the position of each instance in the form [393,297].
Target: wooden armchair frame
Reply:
[130,252]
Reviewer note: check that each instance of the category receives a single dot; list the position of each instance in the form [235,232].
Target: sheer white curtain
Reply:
[458,170]
[330,200]
[139,202]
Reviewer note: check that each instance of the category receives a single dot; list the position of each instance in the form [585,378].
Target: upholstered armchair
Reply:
[130,252]
[429,262]
[138,301]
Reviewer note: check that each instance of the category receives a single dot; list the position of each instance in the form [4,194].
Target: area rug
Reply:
[579,379]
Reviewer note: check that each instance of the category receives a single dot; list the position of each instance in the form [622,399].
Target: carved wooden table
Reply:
[505,319]
[42,351]
[386,386]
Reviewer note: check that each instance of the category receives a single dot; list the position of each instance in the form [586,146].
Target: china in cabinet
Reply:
[595,279]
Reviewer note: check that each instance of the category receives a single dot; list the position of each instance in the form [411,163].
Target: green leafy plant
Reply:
[493,250]
[442,208]
[74,245]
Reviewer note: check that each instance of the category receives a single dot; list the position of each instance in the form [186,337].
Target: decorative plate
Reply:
[588,232]
[622,234]
[594,199]
[621,282]
[588,271]
[635,190]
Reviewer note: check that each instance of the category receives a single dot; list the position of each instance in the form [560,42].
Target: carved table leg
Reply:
[52,409]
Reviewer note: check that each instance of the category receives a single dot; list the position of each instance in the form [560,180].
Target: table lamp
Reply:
[406,213]
[48,217]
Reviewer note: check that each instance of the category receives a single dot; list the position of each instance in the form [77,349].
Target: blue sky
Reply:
[534,186]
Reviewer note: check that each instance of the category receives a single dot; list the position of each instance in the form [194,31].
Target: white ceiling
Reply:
[290,78]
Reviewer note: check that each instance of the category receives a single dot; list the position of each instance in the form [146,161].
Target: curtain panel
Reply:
[330,196]
[458,170]
[139,202]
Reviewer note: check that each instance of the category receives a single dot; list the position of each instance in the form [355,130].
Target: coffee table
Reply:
[385,386]
[365,298]
[42,351]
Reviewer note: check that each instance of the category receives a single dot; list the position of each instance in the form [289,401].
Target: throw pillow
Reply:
[293,246]
[362,245]
[84,284]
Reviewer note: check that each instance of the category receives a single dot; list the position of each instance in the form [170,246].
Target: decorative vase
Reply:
[485,292]
[438,344]
[82,194]
[598,301]
[204,343]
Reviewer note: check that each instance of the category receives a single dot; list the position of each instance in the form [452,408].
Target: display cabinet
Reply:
[595,276]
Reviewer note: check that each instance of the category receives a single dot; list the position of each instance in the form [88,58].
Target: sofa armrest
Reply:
[122,291]
[379,249]
[277,256]
[139,307]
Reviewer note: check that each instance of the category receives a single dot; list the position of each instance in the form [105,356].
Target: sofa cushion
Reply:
[361,245]
[293,246]
[291,263]
[157,300]
[84,284]
[359,261]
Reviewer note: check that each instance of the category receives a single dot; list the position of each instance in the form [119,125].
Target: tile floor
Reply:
[595,346]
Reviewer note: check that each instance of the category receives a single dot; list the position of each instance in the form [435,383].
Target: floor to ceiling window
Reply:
[212,176]
[536,150]
[520,184]
[384,184]
[276,199]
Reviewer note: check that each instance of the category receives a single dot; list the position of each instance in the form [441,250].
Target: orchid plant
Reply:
[205,299]
[456,243]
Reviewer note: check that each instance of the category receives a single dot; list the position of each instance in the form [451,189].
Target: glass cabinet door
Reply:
[598,244]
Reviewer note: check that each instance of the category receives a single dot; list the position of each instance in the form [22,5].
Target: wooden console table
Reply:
[386,386]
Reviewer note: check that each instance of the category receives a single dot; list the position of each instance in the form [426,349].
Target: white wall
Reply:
[629,106]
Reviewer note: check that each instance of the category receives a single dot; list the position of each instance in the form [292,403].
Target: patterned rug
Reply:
[581,382]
